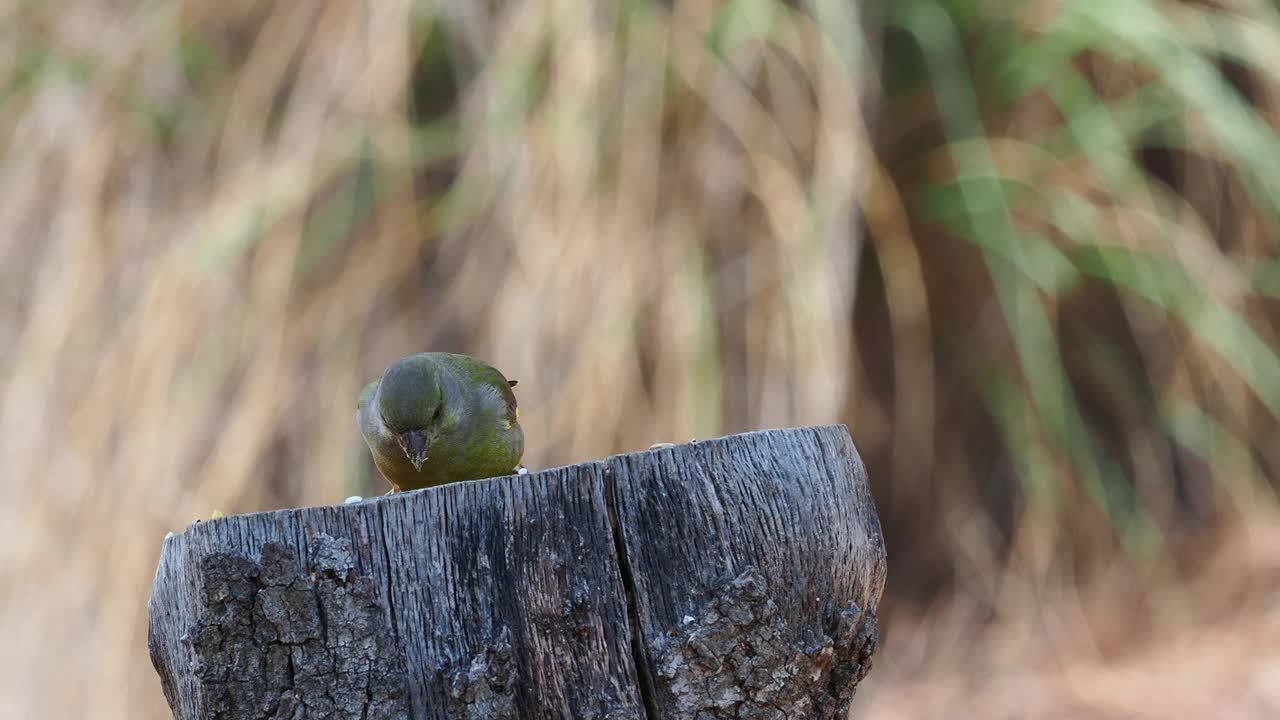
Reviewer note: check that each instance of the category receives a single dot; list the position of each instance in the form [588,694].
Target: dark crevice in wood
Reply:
[381,516]
[629,587]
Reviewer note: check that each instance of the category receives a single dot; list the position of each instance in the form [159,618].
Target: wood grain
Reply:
[756,563]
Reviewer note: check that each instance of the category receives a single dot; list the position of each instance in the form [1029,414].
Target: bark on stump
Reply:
[728,578]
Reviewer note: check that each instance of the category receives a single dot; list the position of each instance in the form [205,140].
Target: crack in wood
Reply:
[643,677]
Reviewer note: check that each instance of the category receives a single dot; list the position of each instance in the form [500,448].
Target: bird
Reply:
[435,418]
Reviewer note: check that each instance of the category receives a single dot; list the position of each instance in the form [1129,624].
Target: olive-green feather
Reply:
[462,409]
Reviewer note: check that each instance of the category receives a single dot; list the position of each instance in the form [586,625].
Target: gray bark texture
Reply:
[728,578]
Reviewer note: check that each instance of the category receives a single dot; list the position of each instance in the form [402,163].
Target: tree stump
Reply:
[729,578]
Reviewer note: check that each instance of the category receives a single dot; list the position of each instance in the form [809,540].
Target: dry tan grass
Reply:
[194,293]
[219,219]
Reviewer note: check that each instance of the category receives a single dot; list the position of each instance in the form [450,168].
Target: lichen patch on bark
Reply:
[273,642]
[731,660]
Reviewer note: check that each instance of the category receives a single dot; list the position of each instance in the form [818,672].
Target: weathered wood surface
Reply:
[729,578]
[756,567]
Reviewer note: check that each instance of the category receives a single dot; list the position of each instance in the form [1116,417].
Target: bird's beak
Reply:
[414,443]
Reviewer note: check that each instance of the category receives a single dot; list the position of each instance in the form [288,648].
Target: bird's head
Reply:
[411,404]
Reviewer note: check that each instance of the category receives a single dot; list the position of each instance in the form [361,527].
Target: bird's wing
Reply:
[513,410]
[367,416]
[487,376]
[498,382]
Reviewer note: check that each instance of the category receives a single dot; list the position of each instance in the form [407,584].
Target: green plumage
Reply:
[452,414]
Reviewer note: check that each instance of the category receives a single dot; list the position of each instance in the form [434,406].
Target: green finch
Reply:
[437,418]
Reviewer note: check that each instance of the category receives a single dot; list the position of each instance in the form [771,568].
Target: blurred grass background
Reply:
[1027,251]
